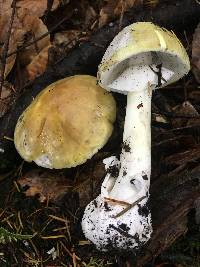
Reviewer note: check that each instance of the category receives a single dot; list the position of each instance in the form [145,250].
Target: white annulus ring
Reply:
[141,58]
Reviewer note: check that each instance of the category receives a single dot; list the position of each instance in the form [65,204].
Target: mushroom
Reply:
[142,57]
[66,124]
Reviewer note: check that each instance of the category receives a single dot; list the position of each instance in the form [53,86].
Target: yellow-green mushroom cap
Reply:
[143,43]
[66,124]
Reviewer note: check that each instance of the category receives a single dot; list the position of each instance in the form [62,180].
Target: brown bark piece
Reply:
[171,200]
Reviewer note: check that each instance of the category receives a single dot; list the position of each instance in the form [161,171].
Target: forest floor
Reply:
[41,210]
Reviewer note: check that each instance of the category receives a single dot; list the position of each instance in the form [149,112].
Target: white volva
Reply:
[119,217]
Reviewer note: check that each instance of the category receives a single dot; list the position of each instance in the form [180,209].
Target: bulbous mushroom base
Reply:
[108,230]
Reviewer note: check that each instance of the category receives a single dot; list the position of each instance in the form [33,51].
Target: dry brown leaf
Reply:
[36,7]
[23,25]
[47,185]
[185,109]
[90,15]
[52,185]
[115,8]
[6,98]
[37,65]
[34,28]
[196,53]
[65,37]
[5,13]
[63,42]
[5,5]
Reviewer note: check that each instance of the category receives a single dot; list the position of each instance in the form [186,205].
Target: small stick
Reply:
[68,251]
[159,74]
[39,38]
[115,201]
[8,138]
[129,207]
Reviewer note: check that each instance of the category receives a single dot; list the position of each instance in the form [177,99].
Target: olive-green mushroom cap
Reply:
[66,124]
[135,45]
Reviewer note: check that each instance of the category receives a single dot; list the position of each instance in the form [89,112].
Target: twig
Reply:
[59,219]
[8,138]
[115,201]
[6,46]
[129,207]
[53,237]
[121,14]
[159,74]
[68,251]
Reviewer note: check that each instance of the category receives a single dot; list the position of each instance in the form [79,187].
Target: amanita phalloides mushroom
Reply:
[141,58]
[66,124]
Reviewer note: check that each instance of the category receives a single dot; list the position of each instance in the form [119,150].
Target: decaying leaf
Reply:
[33,29]
[115,8]
[25,28]
[37,65]
[5,14]
[196,53]
[52,186]
[6,98]
[185,109]
[63,42]
[46,184]
[36,7]
[90,15]
[68,38]
[88,183]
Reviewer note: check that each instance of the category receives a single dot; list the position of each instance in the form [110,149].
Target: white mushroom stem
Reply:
[134,174]
[140,58]
[106,222]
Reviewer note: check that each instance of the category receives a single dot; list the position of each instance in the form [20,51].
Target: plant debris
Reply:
[48,186]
